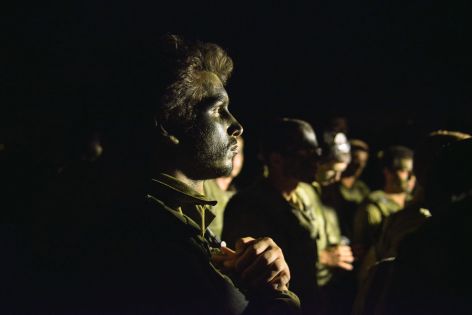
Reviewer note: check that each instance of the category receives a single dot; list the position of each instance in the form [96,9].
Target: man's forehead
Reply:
[211,86]
[403,164]
[339,166]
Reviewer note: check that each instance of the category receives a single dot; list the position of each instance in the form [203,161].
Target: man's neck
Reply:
[348,182]
[224,182]
[285,186]
[399,198]
[196,185]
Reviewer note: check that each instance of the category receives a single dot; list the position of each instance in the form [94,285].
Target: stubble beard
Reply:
[207,161]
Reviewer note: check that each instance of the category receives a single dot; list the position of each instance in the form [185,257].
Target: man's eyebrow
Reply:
[220,98]
[214,100]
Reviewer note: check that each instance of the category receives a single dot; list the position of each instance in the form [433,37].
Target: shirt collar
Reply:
[178,195]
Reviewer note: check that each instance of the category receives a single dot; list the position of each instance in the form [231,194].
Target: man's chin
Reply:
[204,173]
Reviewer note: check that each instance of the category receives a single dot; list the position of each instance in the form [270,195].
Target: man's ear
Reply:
[166,136]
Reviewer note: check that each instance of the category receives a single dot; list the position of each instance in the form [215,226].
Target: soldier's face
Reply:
[330,172]
[300,164]
[358,163]
[210,144]
[400,177]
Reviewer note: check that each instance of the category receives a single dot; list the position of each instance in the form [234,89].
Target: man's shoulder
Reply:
[361,187]
[309,188]
[373,204]
[376,196]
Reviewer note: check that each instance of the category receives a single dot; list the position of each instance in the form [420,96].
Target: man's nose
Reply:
[235,128]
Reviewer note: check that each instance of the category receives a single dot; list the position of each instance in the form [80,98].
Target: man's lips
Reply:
[234,148]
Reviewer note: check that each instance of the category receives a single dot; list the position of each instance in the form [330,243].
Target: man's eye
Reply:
[216,110]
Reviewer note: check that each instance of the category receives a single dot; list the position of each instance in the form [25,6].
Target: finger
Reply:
[281,281]
[262,264]
[242,243]
[348,259]
[254,249]
[346,254]
[227,251]
[271,275]
[345,266]
[221,258]
[344,249]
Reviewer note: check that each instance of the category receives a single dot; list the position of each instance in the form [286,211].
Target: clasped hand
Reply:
[259,263]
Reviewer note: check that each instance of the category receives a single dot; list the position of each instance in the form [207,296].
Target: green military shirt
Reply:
[356,193]
[345,202]
[194,210]
[189,205]
[329,232]
[298,226]
[149,253]
[261,211]
[213,191]
[370,216]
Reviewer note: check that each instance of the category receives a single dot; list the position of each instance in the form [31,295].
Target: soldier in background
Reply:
[431,273]
[284,206]
[400,225]
[346,195]
[397,166]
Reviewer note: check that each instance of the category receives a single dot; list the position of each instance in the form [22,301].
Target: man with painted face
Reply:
[154,255]
[285,206]
[397,166]
[336,156]
[347,194]
[339,284]
[199,138]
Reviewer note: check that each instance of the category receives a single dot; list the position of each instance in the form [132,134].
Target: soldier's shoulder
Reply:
[362,186]
[308,188]
[376,196]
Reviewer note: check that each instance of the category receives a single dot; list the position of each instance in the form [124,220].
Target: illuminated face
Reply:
[210,144]
[401,175]
[330,172]
[300,164]
[357,165]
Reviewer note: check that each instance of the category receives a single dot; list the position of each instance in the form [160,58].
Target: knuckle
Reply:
[280,264]
[266,257]
[278,251]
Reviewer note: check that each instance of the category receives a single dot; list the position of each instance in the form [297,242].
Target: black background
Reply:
[395,70]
